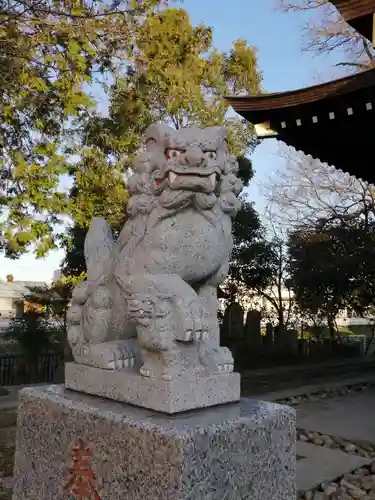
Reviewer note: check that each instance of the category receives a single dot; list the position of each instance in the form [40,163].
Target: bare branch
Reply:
[308,192]
[326,31]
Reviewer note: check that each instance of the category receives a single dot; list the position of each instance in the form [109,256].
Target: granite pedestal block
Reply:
[173,396]
[71,446]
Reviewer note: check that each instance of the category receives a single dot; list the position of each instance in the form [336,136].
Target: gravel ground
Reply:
[329,393]
[360,484]
[365,450]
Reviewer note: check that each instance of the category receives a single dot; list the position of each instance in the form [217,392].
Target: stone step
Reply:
[316,465]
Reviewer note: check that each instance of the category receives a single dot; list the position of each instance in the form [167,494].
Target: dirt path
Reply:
[283,378]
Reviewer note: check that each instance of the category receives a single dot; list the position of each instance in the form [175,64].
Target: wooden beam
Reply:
[353,9]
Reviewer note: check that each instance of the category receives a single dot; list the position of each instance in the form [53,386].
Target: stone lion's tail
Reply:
[98,248]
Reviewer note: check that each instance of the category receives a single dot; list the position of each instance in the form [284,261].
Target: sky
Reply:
[277,37]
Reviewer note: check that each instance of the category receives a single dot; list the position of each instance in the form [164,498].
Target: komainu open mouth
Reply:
[173,176]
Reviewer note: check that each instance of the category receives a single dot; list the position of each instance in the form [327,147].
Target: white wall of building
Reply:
[261,303]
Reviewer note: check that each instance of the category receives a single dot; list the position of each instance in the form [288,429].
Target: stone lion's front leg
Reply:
[168,315]
[214,357]
[154,320]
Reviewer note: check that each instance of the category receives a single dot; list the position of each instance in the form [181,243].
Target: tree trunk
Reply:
[280,314]
[369,342]
[331,327]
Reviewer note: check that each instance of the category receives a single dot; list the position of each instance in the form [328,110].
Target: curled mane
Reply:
[149,203]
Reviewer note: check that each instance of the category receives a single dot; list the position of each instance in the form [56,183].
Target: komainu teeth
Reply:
[172,177]
[213,180]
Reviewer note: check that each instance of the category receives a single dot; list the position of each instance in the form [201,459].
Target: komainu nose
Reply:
[194,157]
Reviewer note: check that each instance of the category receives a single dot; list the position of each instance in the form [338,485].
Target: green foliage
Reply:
[43,328]
[49,52]
[252,255]
[34,334]
[52,54]
[260,265]
[99,190]
[56,298]
[60,294]
[74,263]
[332,268]
[177,77]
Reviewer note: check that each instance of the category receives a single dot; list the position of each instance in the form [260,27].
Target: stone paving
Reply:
[336,442]
[351,417]
[318,464]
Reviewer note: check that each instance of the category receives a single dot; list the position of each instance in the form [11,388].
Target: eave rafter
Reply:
[360,14]
[332,122]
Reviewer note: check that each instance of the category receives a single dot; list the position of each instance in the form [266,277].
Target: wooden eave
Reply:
[333,122]
[359,14]
[261,107]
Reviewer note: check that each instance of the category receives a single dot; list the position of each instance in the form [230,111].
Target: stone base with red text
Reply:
[74,446]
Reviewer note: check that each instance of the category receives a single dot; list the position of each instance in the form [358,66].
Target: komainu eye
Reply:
[172,153]
[210,155]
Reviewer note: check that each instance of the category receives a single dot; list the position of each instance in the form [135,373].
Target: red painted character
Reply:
[82,477]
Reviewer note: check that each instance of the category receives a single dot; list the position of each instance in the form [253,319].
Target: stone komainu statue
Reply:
[149,302]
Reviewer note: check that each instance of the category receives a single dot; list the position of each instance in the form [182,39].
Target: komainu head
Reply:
[188,166]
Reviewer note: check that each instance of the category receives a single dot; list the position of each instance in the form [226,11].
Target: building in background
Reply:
[346,319]
[56,274]
[13,295]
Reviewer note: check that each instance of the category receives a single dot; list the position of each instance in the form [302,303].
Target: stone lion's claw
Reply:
[145,372]
[188,336]
[227,367]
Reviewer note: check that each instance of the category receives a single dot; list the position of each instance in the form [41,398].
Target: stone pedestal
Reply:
[173,396]
[71,445]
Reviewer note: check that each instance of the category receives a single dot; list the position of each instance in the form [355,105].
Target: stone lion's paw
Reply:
[145,372]
[227,367]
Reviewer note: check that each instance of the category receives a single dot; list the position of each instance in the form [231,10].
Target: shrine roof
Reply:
[333,122]
[259,107]
[359,14]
